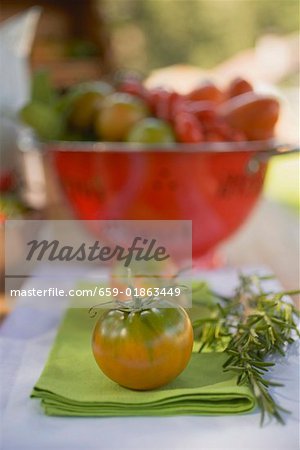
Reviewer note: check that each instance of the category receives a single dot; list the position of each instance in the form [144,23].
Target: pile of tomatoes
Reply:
[129,112]
[210,114]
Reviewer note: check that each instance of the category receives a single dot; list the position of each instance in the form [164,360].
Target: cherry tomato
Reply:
[134,87]
[143,349]
[214,136]
[205,111]
[253,114]
[238,86]
[119,112]
[206,92]
[159,103]
[238,136]
[218,130]
[220,127]
[188,128]
[151,131]
[176,104]
[84,110]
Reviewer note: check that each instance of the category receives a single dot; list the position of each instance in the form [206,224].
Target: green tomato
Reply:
[151,131]
[83,110]
[46,121]
[118,113]
[66,102]
[143,349]
[42,90]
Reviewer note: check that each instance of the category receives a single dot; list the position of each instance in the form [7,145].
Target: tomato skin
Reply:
[253,114]
[238,86]
[206,92]
[119,112]
[84,109]
[159,100]
[188,129]
[133,87]
[143,349]
[205,111]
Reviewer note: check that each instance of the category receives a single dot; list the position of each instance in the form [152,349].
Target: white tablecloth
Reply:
[26,337]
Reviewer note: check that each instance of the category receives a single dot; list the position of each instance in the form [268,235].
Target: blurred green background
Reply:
[153,33]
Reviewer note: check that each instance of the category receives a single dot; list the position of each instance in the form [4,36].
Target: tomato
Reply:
[187,128]
[145,348]
[238,136]
[238,86]
[159,101]
[84,110]
[214,136]
[134,87]
[205,111]
[151,131]
[119,112]
[166,104]
[253,114]
[177,104]
[81,103]
[206,92]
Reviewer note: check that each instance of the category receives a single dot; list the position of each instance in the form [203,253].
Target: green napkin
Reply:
[71,383]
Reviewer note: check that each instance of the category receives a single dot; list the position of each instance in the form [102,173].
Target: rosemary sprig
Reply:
[249,327]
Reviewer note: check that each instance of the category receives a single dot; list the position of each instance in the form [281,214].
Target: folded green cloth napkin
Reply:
[71,383]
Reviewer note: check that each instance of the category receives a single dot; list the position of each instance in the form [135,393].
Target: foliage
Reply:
[156,33]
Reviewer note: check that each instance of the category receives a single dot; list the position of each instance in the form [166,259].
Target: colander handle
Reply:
[261,157]
[283,149]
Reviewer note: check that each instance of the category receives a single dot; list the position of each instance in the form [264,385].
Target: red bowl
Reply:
[216,185]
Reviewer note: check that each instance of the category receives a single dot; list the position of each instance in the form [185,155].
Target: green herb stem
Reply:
[249,327]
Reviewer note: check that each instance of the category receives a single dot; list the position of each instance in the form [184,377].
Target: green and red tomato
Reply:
[130,112]
[143,349]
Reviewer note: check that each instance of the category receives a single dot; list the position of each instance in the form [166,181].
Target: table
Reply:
[26,338]
[270,237]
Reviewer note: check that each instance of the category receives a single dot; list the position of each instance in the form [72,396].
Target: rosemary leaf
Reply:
[249,327]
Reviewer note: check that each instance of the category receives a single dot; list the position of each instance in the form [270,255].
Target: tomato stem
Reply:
[137,301]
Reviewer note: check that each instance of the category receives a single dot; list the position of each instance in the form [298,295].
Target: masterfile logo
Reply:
[140,250]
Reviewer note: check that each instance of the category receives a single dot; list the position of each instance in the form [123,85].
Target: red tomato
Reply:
[188,128]
[143,349]
[213,136]
[159,103]
[133,87]
[238,86]
[206,92]
[238,136]
[205,111]
[218,130]
[176,104]
[253,114]
[164,104]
